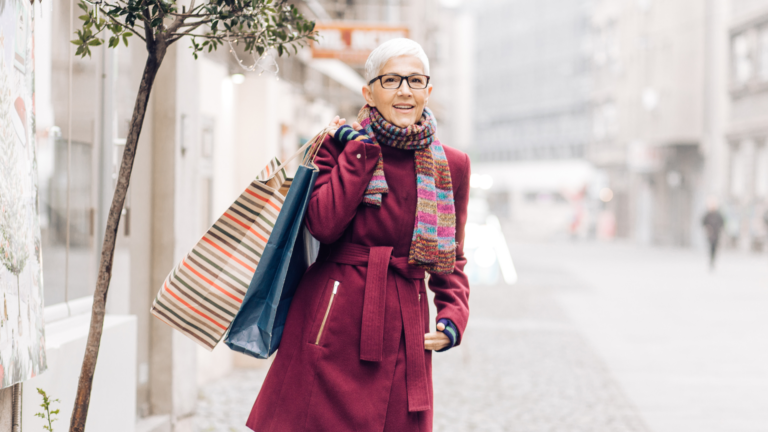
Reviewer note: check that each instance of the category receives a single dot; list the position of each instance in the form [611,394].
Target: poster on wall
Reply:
[22,338]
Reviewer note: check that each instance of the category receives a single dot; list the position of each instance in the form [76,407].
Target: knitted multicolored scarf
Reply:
[433,246]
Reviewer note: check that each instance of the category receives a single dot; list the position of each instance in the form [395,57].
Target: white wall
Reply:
[113,397]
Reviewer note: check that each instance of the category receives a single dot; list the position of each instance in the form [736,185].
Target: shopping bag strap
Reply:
[313,145]
[317,141]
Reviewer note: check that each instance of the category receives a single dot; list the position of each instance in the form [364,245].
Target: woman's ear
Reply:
[368,95]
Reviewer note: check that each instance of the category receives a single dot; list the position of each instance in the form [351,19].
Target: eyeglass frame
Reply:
[402,78]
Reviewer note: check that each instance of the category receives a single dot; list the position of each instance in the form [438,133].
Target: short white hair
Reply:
[393,48]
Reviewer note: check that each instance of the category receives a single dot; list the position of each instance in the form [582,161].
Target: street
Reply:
[594,337]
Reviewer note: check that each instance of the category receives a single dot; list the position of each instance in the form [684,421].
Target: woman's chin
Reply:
[402,121]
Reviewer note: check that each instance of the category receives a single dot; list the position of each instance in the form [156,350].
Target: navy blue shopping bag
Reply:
[258,325]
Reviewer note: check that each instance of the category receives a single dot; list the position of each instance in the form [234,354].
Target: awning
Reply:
[339,72]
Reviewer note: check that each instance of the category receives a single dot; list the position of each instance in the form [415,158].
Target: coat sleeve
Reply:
[452,290]
[342,180]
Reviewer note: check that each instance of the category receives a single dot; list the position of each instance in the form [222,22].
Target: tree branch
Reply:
[133,30]
[191,12]
[150,36]
[197,23]
[177,22]
[220,37]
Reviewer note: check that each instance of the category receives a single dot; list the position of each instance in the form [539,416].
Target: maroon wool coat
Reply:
[318,381]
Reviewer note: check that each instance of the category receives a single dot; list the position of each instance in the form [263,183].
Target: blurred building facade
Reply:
[532,80]
[209,129]
[745,190]
[532,112]
[652,102]
[661,100]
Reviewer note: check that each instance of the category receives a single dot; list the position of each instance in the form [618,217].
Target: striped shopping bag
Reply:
[203,293]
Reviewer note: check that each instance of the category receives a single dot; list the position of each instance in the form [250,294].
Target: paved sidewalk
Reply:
[224,405]
[525,367]
[689,347]
[593,338]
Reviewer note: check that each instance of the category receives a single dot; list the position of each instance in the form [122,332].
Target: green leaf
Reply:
[125,40]
[76,41]
[95,42]
[156,22]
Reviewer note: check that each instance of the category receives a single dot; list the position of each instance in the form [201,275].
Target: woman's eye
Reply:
[390,79]
[416,80]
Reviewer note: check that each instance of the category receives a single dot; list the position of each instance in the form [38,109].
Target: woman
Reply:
[356,349]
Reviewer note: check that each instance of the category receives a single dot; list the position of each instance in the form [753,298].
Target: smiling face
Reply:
[401,107]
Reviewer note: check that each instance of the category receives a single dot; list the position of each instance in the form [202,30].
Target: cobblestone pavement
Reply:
[523,367]
[687,345]
[224,405]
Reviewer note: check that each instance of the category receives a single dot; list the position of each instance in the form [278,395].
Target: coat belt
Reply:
[379,260]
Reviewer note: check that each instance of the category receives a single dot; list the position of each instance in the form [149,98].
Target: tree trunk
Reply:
[83,397]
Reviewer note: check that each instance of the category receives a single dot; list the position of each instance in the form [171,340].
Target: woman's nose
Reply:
[404,90]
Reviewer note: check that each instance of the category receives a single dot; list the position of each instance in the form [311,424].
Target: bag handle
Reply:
[312,152]
[317,142]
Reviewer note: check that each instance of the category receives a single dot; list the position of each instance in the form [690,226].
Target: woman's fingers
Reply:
[356,126]
[336,123]
[435,341]
[435,346]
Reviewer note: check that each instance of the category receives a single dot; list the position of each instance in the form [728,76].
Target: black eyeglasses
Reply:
[394,81]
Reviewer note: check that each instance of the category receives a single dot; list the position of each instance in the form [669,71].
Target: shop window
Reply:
[742,57]
[739,163]
[53,220]
[761,172]
[763,53]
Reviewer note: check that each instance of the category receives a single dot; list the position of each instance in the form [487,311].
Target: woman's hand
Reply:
[436,340]
[337,122]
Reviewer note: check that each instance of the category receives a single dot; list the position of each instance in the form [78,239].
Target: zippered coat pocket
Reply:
[323,314]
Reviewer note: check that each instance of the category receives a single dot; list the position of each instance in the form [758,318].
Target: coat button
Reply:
[358,155]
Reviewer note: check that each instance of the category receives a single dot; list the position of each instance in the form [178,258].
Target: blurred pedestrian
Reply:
[713,224]
[390,203]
